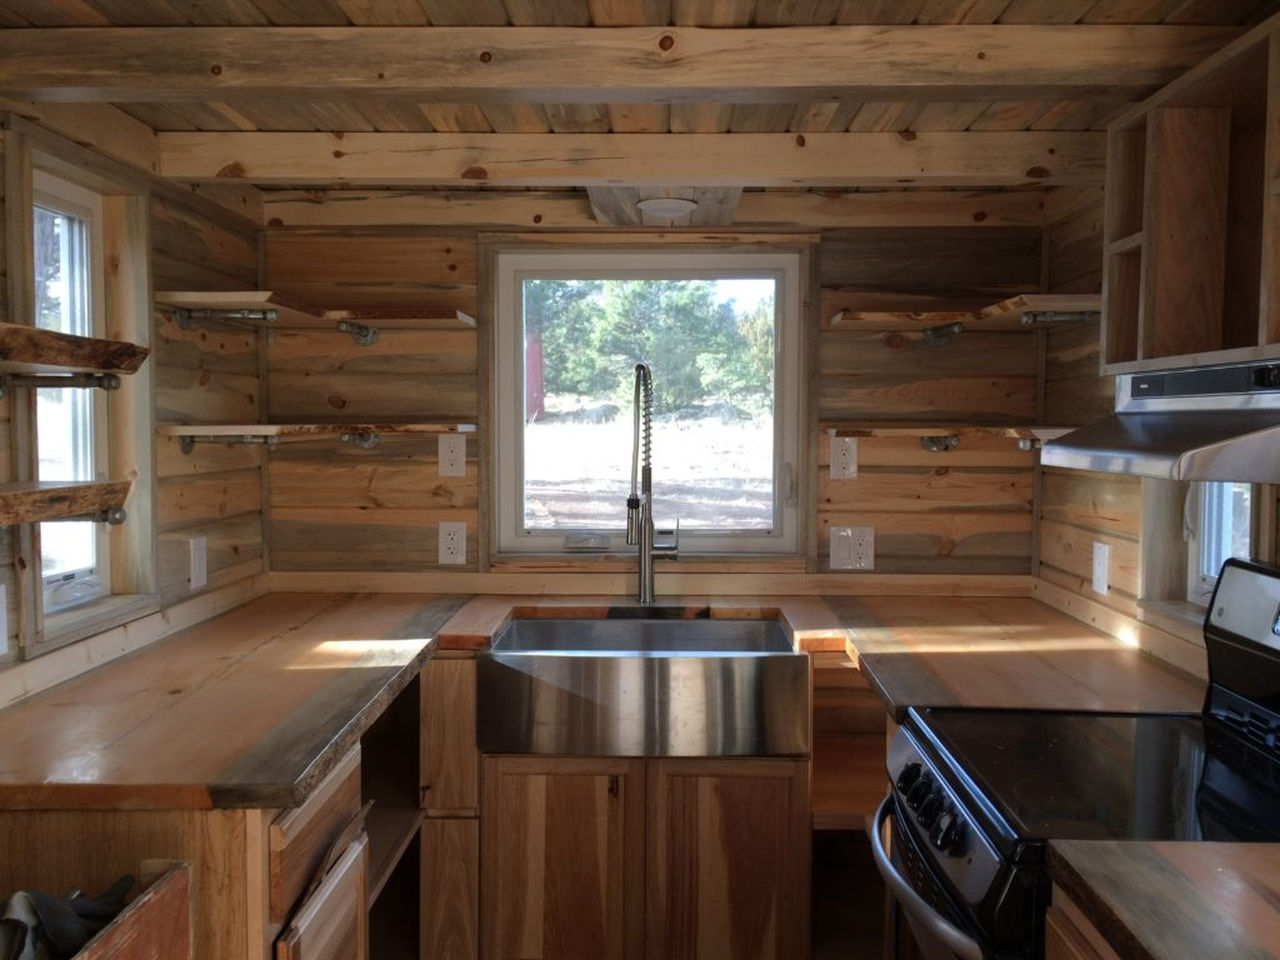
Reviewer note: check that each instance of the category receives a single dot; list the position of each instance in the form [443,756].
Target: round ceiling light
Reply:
[668,208]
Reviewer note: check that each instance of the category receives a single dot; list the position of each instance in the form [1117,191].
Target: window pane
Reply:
[1225,520]
[711,347]
[64,418]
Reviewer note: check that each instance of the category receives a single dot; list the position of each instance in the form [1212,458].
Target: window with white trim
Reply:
[71,434]
[1220,521]
[720,331]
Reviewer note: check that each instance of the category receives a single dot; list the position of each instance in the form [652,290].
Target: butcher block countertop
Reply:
[249,709]
[1002,652]
[1167,901]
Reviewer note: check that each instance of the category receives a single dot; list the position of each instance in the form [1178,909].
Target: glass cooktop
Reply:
[1091,776]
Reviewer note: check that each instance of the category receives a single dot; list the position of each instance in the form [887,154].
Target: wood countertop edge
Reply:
[220,795]
[473,627]
[283,796]
[1097,908]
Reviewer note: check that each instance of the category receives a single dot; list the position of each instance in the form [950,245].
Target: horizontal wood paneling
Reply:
[409,269]
[208,373]
[335,506]
[1077,508]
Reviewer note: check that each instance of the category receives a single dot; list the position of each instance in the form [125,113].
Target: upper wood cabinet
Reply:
[562,858]
[1192,265]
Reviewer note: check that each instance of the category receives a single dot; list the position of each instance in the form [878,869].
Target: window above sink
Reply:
[721,332]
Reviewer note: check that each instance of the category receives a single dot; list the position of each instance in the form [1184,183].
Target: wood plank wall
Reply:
[968,510]
[1078,508]
[206,374]
[335,507]
[8,535]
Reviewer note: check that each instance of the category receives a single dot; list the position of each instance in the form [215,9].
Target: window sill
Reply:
[1181,618]
[626,562]
[68,626]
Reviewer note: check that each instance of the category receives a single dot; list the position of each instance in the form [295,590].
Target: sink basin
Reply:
[643,687]
[643,637]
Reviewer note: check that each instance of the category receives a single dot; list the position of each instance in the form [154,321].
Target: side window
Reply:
[71,424]
[1219,523]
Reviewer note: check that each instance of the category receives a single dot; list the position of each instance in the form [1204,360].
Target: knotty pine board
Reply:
[208,373]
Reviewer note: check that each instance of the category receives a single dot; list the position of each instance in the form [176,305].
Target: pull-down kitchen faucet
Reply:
[640,506]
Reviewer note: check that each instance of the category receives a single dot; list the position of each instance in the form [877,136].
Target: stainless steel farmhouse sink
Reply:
[643,687]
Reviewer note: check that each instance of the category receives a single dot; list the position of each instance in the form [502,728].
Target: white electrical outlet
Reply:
[864,548]
[199,547]
[844,458]
[451,455]
[453,542]
[853,548]
[1101,564]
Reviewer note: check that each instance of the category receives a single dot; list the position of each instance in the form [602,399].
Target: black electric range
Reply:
[978,794]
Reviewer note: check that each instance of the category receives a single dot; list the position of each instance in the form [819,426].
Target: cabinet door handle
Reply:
[613,787]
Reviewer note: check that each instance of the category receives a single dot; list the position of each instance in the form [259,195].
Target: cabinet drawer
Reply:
[333,923]
[300,838]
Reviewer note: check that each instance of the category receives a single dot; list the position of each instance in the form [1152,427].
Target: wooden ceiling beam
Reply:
[622,159]
[602,65]
[571,210]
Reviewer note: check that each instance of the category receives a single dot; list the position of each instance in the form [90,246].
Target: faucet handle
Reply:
[633,520]
[668,547]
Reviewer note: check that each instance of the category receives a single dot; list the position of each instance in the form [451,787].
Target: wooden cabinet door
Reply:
[727,854]
[333,922]
[562,858]
[450,762]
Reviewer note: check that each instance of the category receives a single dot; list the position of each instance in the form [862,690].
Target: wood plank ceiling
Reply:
[287,113]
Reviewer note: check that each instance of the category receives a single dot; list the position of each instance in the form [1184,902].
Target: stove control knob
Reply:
[932,809]
[909,775]
[920,791]
[948,834]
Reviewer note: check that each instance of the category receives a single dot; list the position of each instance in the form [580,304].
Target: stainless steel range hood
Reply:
[1208,423]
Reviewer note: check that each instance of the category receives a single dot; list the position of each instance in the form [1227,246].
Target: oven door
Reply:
[939,932]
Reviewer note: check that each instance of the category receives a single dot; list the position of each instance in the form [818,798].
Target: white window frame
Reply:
[514,266]
[1200,530]
[67,590]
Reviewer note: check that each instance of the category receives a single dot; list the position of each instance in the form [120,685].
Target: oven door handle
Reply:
[959,942]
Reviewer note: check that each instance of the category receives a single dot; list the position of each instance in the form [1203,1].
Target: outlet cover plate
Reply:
[1101,564]
[853,548]
[451,455]
[453,542]
[199,547]
[844,458]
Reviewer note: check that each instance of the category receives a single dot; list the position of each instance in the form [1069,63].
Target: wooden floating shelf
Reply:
[299,432]
[35,502]
[391,829]
[940,430]
[32,350]
[1016,307]
[292,313]
[1129,244]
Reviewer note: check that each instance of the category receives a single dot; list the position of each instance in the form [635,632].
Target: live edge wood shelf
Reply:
[31,350]
[274,310]
[1192,264]
[38,501]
